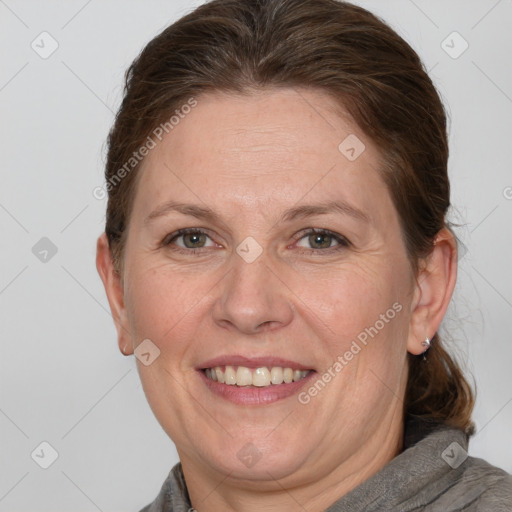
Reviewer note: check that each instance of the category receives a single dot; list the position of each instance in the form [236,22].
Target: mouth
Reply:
[254,381]
[261,377]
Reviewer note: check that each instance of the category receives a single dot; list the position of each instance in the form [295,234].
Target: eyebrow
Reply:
[193,210]
[298,212]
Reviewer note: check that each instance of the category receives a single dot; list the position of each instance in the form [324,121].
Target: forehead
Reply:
[260,148]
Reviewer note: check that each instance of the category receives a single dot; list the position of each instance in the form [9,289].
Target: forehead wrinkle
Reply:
[268,136]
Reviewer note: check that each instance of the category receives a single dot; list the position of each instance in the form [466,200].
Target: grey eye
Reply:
[320,240]
[194,240]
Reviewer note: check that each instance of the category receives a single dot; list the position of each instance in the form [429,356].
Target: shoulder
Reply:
[444,478]
[496,484]
[479,487]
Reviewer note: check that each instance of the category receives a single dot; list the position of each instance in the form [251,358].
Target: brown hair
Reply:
[343,50]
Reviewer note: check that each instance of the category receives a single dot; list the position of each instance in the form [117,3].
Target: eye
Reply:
[322,240]
[193,240]
[190,239]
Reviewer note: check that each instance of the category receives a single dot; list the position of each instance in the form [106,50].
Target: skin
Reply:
[249,158]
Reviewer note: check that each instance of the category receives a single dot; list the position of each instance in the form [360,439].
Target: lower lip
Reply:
[252,395]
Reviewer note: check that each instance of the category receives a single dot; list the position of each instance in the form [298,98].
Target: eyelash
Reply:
[343,243]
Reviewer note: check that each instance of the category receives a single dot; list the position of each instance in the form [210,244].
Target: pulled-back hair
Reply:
[335,47]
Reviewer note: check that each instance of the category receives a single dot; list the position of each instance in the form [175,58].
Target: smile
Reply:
[258,377]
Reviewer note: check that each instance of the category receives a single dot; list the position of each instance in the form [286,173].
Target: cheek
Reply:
[160,300]
[363,318]
[349,300]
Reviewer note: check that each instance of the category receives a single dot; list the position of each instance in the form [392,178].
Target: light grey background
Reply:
[62,378]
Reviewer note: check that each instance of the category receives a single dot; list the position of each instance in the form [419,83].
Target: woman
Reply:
[277,257]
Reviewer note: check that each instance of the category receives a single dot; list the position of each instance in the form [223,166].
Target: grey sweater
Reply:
[432,474]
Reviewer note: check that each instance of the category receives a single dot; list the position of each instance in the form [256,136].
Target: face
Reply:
[292,267]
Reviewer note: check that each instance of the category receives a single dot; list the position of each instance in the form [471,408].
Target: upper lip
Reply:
[252,362]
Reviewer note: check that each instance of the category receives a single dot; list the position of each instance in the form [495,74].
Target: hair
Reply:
[244,46]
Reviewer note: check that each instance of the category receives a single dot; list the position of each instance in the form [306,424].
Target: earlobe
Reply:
[434,287]
[115,294]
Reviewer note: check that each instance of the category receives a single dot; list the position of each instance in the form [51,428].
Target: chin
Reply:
[266,457]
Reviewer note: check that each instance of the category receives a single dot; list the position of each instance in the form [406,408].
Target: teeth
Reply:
[288,375]
[230,376]
[297,375]
[259,377]
[220,374]
[243,376]
[276,375]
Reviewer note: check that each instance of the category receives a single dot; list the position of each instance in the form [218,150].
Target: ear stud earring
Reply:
[425,343]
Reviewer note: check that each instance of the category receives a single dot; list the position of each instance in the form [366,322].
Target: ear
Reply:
[433,290]
[114,288]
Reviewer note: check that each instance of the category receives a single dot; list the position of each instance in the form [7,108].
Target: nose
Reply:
[253,298]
